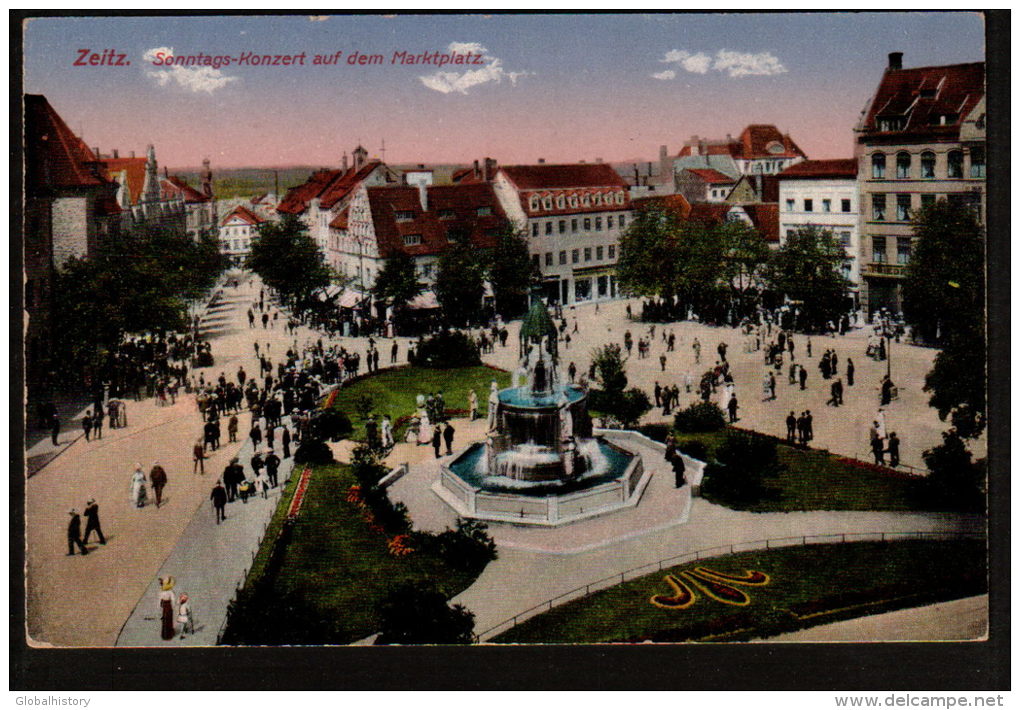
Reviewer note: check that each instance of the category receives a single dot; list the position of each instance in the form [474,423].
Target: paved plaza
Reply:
[116,583]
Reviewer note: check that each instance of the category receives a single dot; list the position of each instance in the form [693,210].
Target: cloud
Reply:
[448,82]
[194,79]
[736,64]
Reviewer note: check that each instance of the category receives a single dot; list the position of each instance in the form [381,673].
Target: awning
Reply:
[351,299]
[426,299]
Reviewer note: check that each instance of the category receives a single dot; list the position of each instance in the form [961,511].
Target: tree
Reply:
[613,398]
[397,283]
[943,299]
[956,481]
[288,260]
[417,613]
[808,269]
[511,272]
[459,281]
[745,256]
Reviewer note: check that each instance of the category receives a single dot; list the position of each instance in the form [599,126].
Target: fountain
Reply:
[541,462]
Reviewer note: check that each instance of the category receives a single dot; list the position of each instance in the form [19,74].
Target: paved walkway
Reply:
[958,620]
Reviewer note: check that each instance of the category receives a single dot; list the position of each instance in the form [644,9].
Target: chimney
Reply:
[663,153]
[895,61]
[423,196]
[116,153]
[132,154]
[649,169]
[637,175]
[478,171]
[343,163]
[490,169]
[541,161]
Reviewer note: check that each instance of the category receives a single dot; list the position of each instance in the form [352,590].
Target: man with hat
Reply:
[92,521]
[74,534]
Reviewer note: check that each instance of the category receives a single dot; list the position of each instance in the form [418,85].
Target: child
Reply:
[184,616]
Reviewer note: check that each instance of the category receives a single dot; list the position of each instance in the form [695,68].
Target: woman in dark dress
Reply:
[166,607]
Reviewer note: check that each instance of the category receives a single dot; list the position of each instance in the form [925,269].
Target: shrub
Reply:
[366,466]
[261,616]
[331,424]
[693,448]
[468,548]
[417,613]
[313,451]
[450,348]
[363,405]
[739,474]
[700,417]
[956,482]
[391,516]
[655,432]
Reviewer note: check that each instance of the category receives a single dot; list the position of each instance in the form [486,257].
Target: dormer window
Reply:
[412,240]
[586,200]
[547,203]
[598,199]
[619,198]
[533,203]
[560,202]
[572,201]
[891,123]
[405,215]
[928,93]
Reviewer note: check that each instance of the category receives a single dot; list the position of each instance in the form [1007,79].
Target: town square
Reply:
[313,360]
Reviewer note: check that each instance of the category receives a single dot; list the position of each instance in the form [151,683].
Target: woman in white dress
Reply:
[424,428]
[138,492]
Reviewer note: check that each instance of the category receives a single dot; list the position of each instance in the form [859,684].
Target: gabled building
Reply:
[921,138]
[573,215]
[823,193]
[320,199]
[761,149]
[143,196]
[704,185]
[755,188]
[236,232]
[421,221]
[199,206]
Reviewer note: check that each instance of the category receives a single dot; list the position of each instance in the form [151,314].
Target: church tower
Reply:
[150,188]
[360,157]
[206,178]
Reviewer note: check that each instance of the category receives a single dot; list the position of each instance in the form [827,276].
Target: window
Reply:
[902,208]
[535,260]
[563,226]
[597,199]
[598,253]
[845,205]
[575,256]
[903,251]
[484,211]
[404,215]
[955,168]
[572,201]
[826,205]
[623,220]
[902,165]
[619,195]
[809,205]
[548,227]
[533,203]
[585,200]
[598,224]
[548,258]
[927,165]
[789,205]
[977,162]
[534,229]
[560,202]
[878,250]
[612,251]
[587,224]
[844,240]
[412,240]
[563,258]
[893,123]
[927,200]
[573,225]
[609,222]
[878,208]
[878,166]
[587,253]
[547,203]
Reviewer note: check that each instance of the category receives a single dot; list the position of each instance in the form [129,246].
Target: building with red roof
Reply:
[573,215]
[236,232]
[421,221]
[760,149]
[704,184]
[921,138]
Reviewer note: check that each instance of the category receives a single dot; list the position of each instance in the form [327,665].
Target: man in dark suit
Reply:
[437,439]
[74,534]
[92,522]
[219,501]
[448,433]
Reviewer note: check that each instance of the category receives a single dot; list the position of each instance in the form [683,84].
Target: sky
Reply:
[560,87]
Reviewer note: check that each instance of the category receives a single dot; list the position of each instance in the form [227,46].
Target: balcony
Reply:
[884,270]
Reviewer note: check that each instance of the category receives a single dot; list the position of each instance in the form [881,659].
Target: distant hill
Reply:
[249,182]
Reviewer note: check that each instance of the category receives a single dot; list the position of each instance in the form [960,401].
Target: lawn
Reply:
[337,565]
[808,585]
[814,479]
[393,392]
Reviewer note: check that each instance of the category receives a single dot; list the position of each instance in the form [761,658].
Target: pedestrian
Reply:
[876,448]
[92,522]
[472,406]
[166,602]
[809,346]
[54,428]
[233,474]
[138,492]
[198,460]
[86,424]
[678,470]
[272,462]
[219,501]
[257,463]
[809,426]
[74,534]
[572,372]
[265,321]
[893,449]
[285,440]
[803,377]
[97,423]
[696,346]
[670,447]
[791,427]
[157,478]
[255,435]
[732,406]
[387,427]
[657,394]
[393,353]
[184,616]
[448,432]
[232,428]
[437,440]
[849,372]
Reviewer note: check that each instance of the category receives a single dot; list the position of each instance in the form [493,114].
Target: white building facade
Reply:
[237,230]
